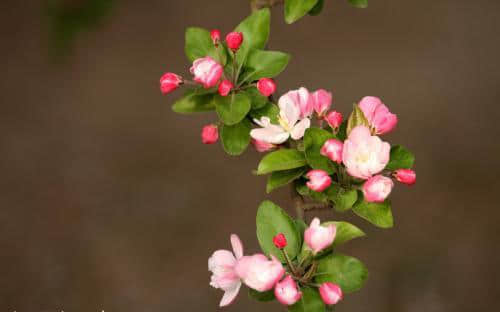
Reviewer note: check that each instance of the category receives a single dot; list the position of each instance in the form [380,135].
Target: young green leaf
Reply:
[314,138]
[295,9]
[232,108]
[282,159]
[301,226]
[309,302]
[270,110]
[193,102]
[272,220]
[261,296]
[379,214]
[264,64]
[345,232]
[258,100]
[343,199]
[316,10]
[401,158]
[348,272]
[282,178]
[199,44]
[359,3]
[357,118]
[255,29]
[235,139]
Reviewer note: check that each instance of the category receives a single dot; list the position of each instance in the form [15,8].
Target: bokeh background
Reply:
[109,201]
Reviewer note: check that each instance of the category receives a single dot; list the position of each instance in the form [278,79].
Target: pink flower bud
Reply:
[169,82]
[206,71]
[322,100]
[225,87]
[209,134]
[266,86]
[262,146]
[334,119]
[318,237]
[330,293]
[287,291]
[280,241]
[258,272]
[234,40]
[378,114]
[377,188]
[319,180]
[215,35]
[405,176]
[333,150]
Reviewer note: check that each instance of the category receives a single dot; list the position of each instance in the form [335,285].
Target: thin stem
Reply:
[259,4]
[298,201]
[289,262]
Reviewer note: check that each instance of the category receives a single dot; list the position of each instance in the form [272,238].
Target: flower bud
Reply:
[377,188]
[334,119]
[330,293]
[280,241]
[322,100]
[215,35]
[266,86]
[287,291]
[225,87]
[258,272]
[169,82]
[405,176]
[206,71]
[378,115]
[262,146]
[318,237]
[209,134]
[319,180]
[234,40]
[333,150]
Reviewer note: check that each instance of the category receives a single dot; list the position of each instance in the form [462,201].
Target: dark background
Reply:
[109,201]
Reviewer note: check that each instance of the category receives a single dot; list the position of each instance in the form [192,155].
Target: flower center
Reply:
[284,124]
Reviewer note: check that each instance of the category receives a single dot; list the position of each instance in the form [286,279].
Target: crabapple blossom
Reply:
[206,71]
[300,98]
[262,146]
[209,134]
[266,86]
[318,237]
[234,40]
[225,87]
[405,176]
[258,272]
[377,188]
[319,180]
[378,114]
[330,293]
[334,119]
[333,150]
[322,100]
[170,82]
[287,292]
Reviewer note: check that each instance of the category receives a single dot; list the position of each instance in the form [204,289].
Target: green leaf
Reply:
[282,159]
[261,296]
[295,9]
[258,100]
[309,302]
[272,220]
[232,108]
[270,110]
[359,3]
[255,29]
[379,214]
[343,199]
[347,272]
[314,138]
[193,102]
[401,158]
[282,178]
[316,10]
[345,232]
[199,44]
[303,190]
[357,118]
[265,64]
[235,139]
[342,132]
[301,226]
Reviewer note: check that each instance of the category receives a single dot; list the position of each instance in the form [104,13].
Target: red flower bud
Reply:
[234,40]
[215,35]
[209,134]
[405,176]
[225,87]
[169,82]
[280,241]
[334,119]
[266,86]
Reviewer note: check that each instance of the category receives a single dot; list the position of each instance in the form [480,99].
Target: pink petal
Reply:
[237,246]
[272,134]
[300,128]
[230,295]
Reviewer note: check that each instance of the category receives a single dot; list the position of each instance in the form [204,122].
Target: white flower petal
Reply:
[272,134]
[300,128]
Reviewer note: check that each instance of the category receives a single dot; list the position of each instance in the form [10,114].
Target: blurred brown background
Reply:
[110,202]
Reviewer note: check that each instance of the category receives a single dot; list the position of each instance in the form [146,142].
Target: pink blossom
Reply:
[209,134]
[215,35]
[258,272]
[225,87]
[300,98]
[222,264]
[333,150]
[406,176]
[287,292]
[319,180]
[364,155]
[169,82]
[377,188]
[262,146]
[206,71]
[322,100]
[378,114]
[318,237]
[334,119]
[234,40]
[330,293]
[266,86]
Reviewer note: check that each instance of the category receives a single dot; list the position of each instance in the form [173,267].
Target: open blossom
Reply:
[378,114]
[334,119]
[209,134]
[377,189]
[333,150]
[302,99]
[322,100]
[170,82]
[319,180]
[222,264]
[318,237]
[266,86]
[364,155]
[258,272]
[206,71]
[405,176]
[287,291]
[290,124]
[330,293]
